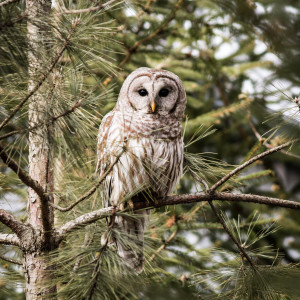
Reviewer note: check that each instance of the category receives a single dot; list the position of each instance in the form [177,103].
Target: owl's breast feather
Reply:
[149,125]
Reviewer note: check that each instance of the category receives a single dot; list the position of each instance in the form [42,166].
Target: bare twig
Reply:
[9,239]
[43,77]
[86,10]
[10,260]
[93,216]
[246,164]
[164,245]
[152,35]
[145,9]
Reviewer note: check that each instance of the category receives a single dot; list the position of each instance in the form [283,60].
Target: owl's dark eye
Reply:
[163,93]
[143,92]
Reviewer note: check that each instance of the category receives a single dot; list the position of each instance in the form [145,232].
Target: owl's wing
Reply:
[102,147]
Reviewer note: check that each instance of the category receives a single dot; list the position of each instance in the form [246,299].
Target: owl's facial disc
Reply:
[153,95]
[166,95]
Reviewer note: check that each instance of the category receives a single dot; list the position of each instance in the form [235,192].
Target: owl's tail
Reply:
[130,240]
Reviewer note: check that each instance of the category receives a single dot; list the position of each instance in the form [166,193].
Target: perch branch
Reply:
[93,216]
[84,220]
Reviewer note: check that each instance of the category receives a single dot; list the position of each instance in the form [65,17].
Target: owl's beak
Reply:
[153,106]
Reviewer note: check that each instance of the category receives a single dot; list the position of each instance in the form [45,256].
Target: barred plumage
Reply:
[143,133]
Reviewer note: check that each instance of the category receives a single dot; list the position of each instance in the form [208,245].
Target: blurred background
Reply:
[239,62]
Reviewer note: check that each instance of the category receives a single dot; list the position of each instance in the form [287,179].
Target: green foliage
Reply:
[218,49]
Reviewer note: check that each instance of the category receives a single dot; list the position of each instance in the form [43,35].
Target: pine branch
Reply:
[242,250]
[44,76]
[91,191]
[152,35]
[86,10]
[23,176]
[7,2]
[93,216]
[164,245]
[10,221]
[10,260]
[48,122]
[9,239]
[268,145]
[246,164]
[11,23]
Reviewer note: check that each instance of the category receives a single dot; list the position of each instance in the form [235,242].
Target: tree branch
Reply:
[246,164]
[53,119]
[10,260]
[43,77]
[93,216]
[242,250]
[10,221]
[164,245]
[24,177]
[91,191]
[10,239]
[84,220]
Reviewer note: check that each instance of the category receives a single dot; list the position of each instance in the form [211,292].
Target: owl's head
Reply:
[150,91]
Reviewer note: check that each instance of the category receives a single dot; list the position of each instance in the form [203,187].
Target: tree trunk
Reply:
[40,214]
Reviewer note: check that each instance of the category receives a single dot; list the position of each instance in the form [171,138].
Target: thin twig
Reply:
[152,35]
[10,260]
[247,163]
[91,191]
[268,145]
[221,221]
[44,76]
[164,245]
[242,250]
[53,119]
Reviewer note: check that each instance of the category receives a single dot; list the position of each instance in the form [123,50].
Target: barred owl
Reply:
[142,138]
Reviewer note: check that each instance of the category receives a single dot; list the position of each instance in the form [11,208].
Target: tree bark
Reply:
[40,213]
